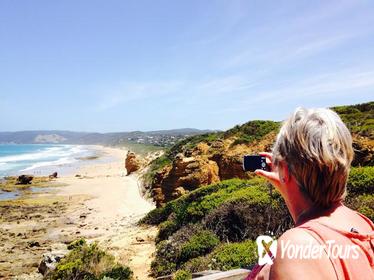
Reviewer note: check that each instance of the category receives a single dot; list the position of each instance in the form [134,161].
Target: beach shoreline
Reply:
[98,202]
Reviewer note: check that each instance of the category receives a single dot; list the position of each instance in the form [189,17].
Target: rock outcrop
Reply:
[24,179]
[364,151]
[53,175]
[132,163]
[203,164]
[50,260]
[185,174]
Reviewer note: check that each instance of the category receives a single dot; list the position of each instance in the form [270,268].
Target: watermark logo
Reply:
[317,251]
[267,249]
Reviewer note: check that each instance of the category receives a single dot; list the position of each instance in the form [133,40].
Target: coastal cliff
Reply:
[210,158]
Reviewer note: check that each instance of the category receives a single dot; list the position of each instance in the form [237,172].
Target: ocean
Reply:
[41,159]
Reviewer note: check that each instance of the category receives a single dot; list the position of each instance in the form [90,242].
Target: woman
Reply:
[310,165]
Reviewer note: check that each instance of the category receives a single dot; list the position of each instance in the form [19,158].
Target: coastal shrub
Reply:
[363,204]
[190,241]
[226,256]
[165,259]
[118,272]
[360,181]
[178,206]
[182,275]
[358,118]
[184,234]
[195,206]
[198,264]
[157,215]
[77,243]
[88,261]
[200,203]
[198,245]
[251,131]
[234,255]
[239,219]
[166,229]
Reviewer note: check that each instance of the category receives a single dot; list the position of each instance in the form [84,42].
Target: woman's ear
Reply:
[284,173]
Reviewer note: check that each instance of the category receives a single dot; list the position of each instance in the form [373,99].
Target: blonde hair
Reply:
[317,147]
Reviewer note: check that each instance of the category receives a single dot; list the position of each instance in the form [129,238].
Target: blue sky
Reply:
[148,65]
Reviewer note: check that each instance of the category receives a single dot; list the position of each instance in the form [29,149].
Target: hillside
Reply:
[210,212]
[213,157]
[163,138]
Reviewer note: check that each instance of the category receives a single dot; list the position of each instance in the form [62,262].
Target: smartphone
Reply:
[253,162]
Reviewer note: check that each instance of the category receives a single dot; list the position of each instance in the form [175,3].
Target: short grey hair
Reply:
[317,147]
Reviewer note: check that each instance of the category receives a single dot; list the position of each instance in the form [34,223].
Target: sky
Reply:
[105,66]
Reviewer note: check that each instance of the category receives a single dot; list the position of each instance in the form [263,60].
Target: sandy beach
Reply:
[98,203]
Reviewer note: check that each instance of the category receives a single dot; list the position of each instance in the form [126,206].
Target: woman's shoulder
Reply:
[293,261]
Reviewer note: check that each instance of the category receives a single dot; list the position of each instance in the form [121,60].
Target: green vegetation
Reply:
[251,131]
[192,141]
[361,181]
[234,255]
[88,262]
[156,165]
[198,245]
[193,225]
[182,275]
[220,201]
[10,183]
[77,244]
[358,118]
[195,228]
[360,190]
[141,149]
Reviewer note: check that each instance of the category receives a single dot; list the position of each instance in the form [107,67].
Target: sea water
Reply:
[39,159]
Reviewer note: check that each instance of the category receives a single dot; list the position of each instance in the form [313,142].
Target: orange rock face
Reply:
[185,174]
[202,165]
[132,164]
[364,151]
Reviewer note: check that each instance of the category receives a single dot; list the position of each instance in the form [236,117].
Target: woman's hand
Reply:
[272,176]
